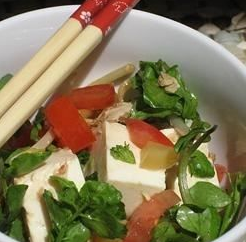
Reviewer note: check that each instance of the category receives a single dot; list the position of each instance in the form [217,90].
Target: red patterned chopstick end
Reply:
[88,10]
[112,13]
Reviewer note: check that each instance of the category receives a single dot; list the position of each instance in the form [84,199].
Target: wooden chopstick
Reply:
[48,53]
[62,67]
[115,75]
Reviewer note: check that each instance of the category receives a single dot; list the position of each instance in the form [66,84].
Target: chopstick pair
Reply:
[49,52]
[44,81]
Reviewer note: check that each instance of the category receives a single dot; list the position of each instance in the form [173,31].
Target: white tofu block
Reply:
[171,175]
[134,182]
[62,163]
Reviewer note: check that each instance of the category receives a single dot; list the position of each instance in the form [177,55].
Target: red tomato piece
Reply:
[70,129]
[142,132]
[146,216]
[221,171]
[93,97]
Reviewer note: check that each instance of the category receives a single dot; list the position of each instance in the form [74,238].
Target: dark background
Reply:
[190,12]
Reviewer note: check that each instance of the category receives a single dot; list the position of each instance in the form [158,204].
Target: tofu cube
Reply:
[134,182]
[62,163]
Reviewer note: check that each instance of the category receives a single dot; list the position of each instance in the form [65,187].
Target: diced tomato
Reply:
[70,129]
[93,97]
[142,132]
[221,171]
[146,216]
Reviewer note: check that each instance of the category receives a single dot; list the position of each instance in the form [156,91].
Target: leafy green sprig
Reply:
[123,153]
[184,158]
[154,101]
[75,215]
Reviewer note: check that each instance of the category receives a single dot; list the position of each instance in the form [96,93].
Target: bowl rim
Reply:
[237,231]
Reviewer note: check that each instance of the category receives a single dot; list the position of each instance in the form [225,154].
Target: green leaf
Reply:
[4,80]
[76,232]
[232,209]
[66,191]
[206,194]
[198,128]
[58,214]
[96,193]
[92,177]
[206,224]
[83,156]
[184,158]
[154,113]
[97,206]
[26,161]
[37,125]
[123,153]
[104,224]
[155,96]
[181,103]
[16,153]
[34,135]
[101,195]
[200,166]
[17,230]
[14,200]
[165,232]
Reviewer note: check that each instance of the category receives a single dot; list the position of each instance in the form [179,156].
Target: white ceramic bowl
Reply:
[217,77]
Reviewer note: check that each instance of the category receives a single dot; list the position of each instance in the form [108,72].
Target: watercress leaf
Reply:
[17,230]
[232,209]
[206,194]
[58,214]
[14,200]
[3,181]
[200,166]
[190,104]
[4,80]
[123,153]
[186,140]
[76,232]
[66,191]
[104,224]
[162,232]
[165,232]
[93,176]
[155,113]
[26,161]
[5,152]
[99,193]
[183,160]
[83,156]
[16,153]
[34,135]
[2,220]
[37,126]
[156,97]
[149,71]
[211,222]
[174,72]
[206,224]
[188,219]
[197,128]
[102,195]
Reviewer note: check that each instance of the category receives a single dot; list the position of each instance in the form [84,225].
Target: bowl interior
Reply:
[212,73]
